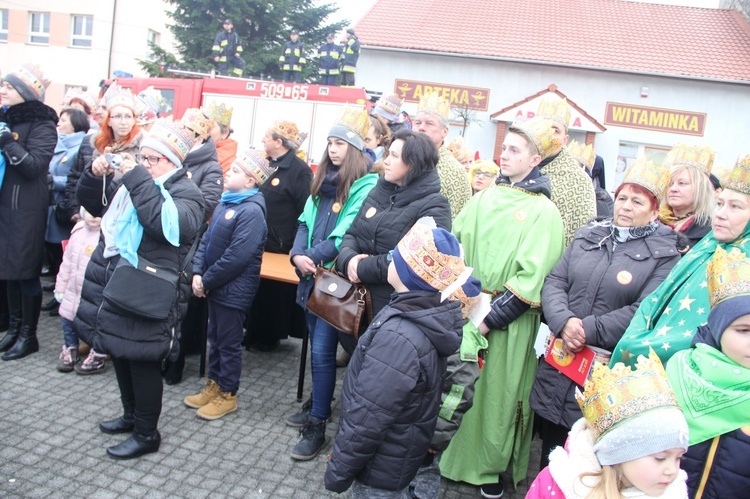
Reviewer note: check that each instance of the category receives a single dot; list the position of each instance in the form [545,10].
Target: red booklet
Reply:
[575,366]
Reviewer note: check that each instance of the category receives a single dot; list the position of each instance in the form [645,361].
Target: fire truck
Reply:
[258,103]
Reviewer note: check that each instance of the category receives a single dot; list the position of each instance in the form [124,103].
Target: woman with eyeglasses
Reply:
[482,174]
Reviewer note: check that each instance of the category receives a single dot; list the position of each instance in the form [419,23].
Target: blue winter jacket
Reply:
[230,253]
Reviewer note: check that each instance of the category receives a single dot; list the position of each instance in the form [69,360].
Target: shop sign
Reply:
[654,118]
[459,96]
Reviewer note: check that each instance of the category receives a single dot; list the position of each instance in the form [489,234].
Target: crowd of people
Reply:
[462,259]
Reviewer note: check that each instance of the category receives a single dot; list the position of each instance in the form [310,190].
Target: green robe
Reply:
[512,238]
[667,319]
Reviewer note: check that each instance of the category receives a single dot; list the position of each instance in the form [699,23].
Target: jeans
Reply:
[225,337]
[323,342]
[69,334]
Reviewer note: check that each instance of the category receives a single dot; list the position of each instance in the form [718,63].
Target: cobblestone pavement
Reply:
[50,445]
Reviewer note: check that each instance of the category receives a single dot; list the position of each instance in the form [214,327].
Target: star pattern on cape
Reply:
[687,334]
[663,330]
[665,346]
[667,310]
[626,355]
[701,311]
[686,302]
[704,284]
[681,323]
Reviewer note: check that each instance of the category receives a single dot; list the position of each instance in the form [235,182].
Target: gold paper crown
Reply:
[221,113]
[540,133]
[484,165]
[390,103]
[583,153]
[79,94]
[739,177]
[458,149]
[32,77]
[197,122]
[433,103]
[612,396]
[701,158]
[119,96]
[728,275]
[356,120]
[648,175]
[555,109]
[174,136]
[255,164]
[288,130]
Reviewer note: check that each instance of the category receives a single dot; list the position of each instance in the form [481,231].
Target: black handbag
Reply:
[147,292]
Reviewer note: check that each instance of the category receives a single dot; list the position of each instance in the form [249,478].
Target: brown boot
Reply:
[204,396]
[221,405]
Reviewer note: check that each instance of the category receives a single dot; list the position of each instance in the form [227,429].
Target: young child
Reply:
[391,393]
[629,442]
[712,383]
[83,240]
[226,270]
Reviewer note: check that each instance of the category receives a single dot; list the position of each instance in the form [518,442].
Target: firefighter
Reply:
[349,63]
[329,54]
[227,49]
[292,59]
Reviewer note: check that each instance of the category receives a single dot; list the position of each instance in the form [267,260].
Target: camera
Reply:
[114,160]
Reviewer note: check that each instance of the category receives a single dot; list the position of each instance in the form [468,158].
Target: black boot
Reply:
[123,424]
[14,329]
[4,314]
[27,342]
[312,441]
[137,445]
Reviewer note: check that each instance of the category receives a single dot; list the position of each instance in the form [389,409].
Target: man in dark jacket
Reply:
[329,55]
[227,49]
[351,56]
[292,59]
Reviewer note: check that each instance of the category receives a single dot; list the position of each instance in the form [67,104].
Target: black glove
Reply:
[505,309]
[5,134]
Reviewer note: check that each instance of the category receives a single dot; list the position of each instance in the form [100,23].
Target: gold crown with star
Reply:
[553,108]
[119,96]
[739,177]
[540,133]
[698,157]
[647,174]
[583,153]
[220,114]
[355,119]
[612,396]
[434,103]
[197,122]
[289,131]
[728,275]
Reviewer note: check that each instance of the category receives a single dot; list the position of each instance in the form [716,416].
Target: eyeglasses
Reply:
[481,174]
[152,160]
[121,117]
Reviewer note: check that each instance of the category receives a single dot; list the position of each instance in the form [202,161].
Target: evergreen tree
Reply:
[263,28]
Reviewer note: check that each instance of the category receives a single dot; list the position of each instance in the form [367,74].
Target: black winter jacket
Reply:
[96,322]
[285,192]
[231,252]
[384,218]
[391,393]
[603,286]
[70,204]
[24,195]
[204,169]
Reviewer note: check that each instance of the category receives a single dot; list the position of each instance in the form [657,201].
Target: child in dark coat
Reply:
[391,393]
[227,271]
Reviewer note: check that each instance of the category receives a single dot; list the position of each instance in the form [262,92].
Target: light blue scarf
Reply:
[2,168]
[238,197]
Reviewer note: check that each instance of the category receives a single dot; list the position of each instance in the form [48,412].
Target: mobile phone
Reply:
[114,160]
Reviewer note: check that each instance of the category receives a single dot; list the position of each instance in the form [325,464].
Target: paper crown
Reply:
[154,99]
[144,114]
[433,103]
[77,93]
[728,275]
[739,177]
[220,114]
[32,79]
[289,131]
[170,138]
[197,122]
[255,164]
[483,165]
[355,119]
[648,175]
[612,396]
[119,96]
[388,106]
[701,158]
[457,147]
[583,153]
[553,108]
[540,133]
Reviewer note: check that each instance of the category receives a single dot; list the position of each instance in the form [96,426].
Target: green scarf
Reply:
[713,391]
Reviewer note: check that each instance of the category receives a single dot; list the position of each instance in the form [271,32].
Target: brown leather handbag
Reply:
[339,302]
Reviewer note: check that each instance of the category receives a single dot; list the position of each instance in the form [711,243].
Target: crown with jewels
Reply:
[555,109]
[612,396]
[728,275]
[457,147]
[32,77]
[289,131]
[154,99]
[173,135]
[739,177]
[701,158]
[220,114]
[433,103]
[388,106]
[648,175]
[119,96]
[355,119]
[255,164]
[197,122]
[77,93]
[583,153]
[540,133]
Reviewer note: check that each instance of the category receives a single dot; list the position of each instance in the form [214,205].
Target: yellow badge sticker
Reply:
[189,174]
[624,277]
[64,159]
[336,207]
[89,249]
[275,182]
[520,216]
[229,214]
[371,212]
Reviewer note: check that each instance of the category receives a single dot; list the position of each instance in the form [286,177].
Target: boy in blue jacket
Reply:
[226,271]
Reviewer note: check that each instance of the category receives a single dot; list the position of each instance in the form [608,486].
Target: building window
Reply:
[3,25]
[81,29]
[39,29]
[153,38]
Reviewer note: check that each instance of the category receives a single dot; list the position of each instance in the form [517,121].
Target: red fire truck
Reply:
[257,104]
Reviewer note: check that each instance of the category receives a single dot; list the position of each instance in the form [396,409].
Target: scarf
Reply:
[679,224]
[712,389]
[624,234]
[2,168]
[238,197]
[330,184]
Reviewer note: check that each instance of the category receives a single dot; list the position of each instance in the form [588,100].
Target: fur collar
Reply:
[26,112]
[566,467]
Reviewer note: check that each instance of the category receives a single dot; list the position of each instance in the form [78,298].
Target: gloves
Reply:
[5,134]
[505,309]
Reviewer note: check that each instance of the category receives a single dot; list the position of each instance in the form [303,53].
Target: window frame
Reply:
[4,20]
[88,22]
[156,41]
[39,34]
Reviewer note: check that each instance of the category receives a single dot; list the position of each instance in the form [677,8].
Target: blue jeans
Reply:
[69,334]
[323,342]
[225,338]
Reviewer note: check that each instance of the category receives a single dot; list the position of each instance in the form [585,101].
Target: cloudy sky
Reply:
[350,9]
